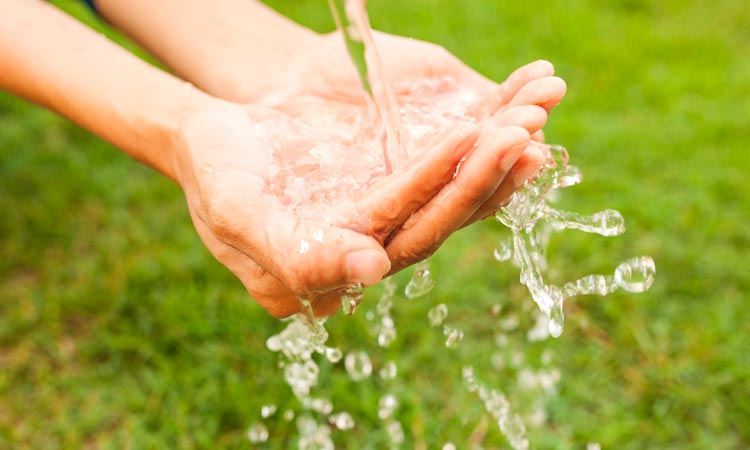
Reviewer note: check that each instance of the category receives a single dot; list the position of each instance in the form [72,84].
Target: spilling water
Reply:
[311,170]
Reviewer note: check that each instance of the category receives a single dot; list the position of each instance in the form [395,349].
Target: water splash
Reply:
[421,282]
[530,219]
[351,18]
[351,298]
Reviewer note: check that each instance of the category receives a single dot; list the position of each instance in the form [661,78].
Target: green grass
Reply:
[118,330]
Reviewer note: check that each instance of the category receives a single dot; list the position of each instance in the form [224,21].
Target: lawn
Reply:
[119,330]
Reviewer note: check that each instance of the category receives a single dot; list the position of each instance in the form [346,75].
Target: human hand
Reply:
[261,57]
[284,249]
[321,66]
[425,78]
[421,74]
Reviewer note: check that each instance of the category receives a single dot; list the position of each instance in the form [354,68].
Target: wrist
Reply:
[254,60]
[158,132]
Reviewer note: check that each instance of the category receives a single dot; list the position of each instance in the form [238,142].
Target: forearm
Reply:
[233,49]
[53,60]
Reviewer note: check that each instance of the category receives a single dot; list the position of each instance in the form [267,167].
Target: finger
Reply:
[499,96]
[530,117]
[312,258]
[538,136]
[527,166]
[477,179]
[400,194]
[306,257]
[546,92]
[321,264]
[523,76]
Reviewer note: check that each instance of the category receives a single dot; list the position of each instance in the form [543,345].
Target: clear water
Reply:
[351,19]
[531,218]
[311,172]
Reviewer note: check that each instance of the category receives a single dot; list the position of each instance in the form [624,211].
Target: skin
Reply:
[203,138]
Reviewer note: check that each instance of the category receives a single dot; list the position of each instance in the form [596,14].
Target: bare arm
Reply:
[206,145]
[211,42]
[53,60]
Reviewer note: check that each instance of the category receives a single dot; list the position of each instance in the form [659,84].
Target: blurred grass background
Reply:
[118,330]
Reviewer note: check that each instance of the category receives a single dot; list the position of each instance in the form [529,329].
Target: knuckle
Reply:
[414,250]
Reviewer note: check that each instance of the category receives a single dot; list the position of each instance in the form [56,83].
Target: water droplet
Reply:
[395,431]
[304,246]
[274,344]
[593,446]
[288,415]
[387,406]
[590,285]
[321,405]
[509,323]
[540,330]
[257,433]
[267,411]
[503,251]
[387,333]
[454,336]
[569,176]
[556,325]
[449,446]
[437,315]
[351,298]
[333,355]
[421,282]
[358,365]
[342,421]
[313,436]
[636,274]
[388,371]
[514,430]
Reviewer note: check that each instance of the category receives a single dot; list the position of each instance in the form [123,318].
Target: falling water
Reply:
[526,215]
[351,19]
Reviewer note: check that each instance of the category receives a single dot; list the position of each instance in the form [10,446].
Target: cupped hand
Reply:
[462,174]
[284,251]
[422,73]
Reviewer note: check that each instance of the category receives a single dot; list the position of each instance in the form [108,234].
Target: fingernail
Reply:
[366,266]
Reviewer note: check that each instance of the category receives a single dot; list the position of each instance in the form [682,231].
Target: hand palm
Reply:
[284,248]
[262,204]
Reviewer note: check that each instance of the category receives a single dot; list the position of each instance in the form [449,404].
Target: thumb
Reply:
[319,260]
